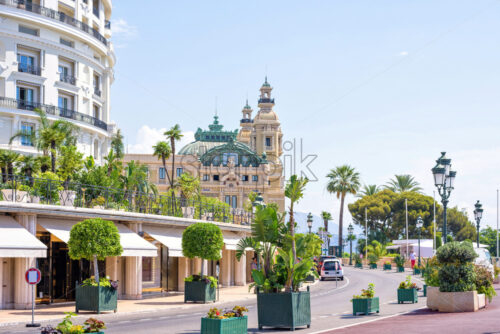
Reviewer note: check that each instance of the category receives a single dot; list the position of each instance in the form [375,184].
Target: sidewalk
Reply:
[426,321]
[45,313]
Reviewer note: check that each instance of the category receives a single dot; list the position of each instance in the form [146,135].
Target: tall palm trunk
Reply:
[53,156]
[172,144]
[164,161]
[341,221]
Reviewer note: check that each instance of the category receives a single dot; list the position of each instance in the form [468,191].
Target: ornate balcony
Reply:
[52,110]
[25,68]
[55,15]
[67,79]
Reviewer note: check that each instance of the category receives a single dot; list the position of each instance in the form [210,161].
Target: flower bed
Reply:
[366,303]
[225,322]
[407,291]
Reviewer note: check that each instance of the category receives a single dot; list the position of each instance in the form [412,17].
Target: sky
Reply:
[383,86]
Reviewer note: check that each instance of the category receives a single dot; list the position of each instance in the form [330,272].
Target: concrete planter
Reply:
[452,301]
[95,298]
[365,305]
[481,300]
[433,297]
[286,309]
[199,291]
[67,197]
[13,195]
[224,326]
[407,295]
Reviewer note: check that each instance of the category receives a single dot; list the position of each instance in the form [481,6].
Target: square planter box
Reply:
[417,271]
[13,195]
[401,269]
[407,295]
[433,296]
[224,326]
[425,290]
[458,301]
[95,298]
[387,266]
[373,266]
[365,305]
[358,265]
[286,309]
[199,291]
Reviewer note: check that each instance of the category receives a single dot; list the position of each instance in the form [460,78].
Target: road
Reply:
[330,308]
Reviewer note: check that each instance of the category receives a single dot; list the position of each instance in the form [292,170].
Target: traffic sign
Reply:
[33,276]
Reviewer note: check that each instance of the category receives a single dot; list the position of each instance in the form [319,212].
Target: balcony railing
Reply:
[25,189]
[32,69]
[266,100]
[107,24]
[52,110]
[67,79]
[97,91]
[53,14]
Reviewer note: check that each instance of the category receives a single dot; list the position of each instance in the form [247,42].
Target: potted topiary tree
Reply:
[358,262]
[407,291]
[387,265]
[204,241]
[372,260]
[95,239]
[366,303]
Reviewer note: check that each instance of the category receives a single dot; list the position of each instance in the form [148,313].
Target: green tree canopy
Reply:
[488,236]
[70,163]
[202,240]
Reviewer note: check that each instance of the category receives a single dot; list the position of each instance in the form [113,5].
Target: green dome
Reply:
[199,148]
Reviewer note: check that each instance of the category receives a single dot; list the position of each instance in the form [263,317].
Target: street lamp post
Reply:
[309,221]
[478,214]
[444,180]
[420,223]
[350,230]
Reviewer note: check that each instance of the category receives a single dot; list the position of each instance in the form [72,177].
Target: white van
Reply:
[484,259]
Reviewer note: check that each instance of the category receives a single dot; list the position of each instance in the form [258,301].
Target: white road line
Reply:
[365,322]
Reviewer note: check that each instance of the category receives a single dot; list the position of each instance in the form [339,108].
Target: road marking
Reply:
[365,322]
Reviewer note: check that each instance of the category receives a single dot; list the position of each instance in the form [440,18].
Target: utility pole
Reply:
[406,208]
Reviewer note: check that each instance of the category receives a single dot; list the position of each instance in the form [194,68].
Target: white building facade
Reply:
[56,56]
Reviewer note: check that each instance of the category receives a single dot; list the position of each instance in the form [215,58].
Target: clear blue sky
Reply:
[381,85]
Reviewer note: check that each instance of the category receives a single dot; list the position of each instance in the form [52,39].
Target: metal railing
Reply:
[24,189]
[53,14]
[68,79]
[52,110]
[266,100]
[32,69]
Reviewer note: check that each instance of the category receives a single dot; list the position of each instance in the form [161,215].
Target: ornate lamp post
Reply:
[478,214]
[350,230]
[258,201]
[444,180]
[420,223]
[309,221]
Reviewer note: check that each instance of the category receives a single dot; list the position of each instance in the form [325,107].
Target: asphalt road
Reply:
[330,308]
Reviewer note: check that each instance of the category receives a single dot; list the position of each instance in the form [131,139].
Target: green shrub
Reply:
[357,259]
[366,293]
[457,278]
[456,253]
[372,258]
[407,284]
[47,186]
[207,279]
[484,282]
[399,260]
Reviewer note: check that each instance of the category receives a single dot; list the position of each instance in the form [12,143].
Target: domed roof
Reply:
[266,116]
[199,148]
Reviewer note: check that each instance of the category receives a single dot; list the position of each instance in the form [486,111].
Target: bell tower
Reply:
[246,125]
[266,134]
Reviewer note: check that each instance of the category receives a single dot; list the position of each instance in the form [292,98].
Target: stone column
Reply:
[183,272]
[133,271]
[225,270]
[240,270]
[22,290]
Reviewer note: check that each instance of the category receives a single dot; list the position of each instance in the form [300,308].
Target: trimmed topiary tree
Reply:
[204,241]
[457,271]
[94,239]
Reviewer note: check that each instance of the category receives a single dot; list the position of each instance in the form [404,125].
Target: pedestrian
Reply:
[255,265]
[412,258]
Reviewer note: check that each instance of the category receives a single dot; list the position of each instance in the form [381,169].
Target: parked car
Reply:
[332,268]
[484,259]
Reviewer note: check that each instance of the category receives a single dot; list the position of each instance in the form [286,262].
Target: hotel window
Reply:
[97,85]
[27,30]
[244,178]
[179,172]
[96,111]
[206,177]
[66,42]
[216,177]
[268,142]
[232,201]
[65,102]
[27,129]
[95,7]
[26,64]
[26,95]
[255,178]
[161,173]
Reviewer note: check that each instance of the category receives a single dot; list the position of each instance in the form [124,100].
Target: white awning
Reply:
[231,239]
[16,241]
[132,243]
[167,236]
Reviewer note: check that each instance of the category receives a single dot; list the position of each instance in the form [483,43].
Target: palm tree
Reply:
[173,134]
[402,183]
[117,144]
[294,191]
[49,136]
[29,165]
[163,151]
[368,190]
[113,163]
[326,217]
[7,161]
[342,180]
